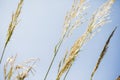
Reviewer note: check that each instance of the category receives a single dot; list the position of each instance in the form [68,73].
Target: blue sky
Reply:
[39,29]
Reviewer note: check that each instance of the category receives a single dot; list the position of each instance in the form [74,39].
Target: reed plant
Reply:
[12,27]
[74,18]
[98,19]
[102,54]
[13,71]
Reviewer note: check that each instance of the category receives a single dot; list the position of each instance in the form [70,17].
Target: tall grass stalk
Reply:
[12,27]
[102,54]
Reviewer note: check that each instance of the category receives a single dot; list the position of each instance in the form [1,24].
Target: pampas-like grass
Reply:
[73,19]
[76,12]
[13,71]
[12,26]
[102,54]
[98,19]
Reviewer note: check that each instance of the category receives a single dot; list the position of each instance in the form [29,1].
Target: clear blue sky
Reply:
[39,30]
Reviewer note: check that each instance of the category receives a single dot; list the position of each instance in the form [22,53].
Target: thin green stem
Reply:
[55,53]
[3,52]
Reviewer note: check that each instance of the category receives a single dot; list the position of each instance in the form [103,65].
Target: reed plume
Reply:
[13,71]
[12,27]
[9,73]
[76,12]
[75,17]
[99,18]
[102,54]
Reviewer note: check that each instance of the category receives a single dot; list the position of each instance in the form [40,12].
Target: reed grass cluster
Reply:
[13,71]
[74,18]
[98,19]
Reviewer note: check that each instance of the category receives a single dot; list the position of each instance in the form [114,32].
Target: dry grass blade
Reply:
[12,26]
[61,63]
[65,56]
[59,66]
[97,20]
[102,54]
